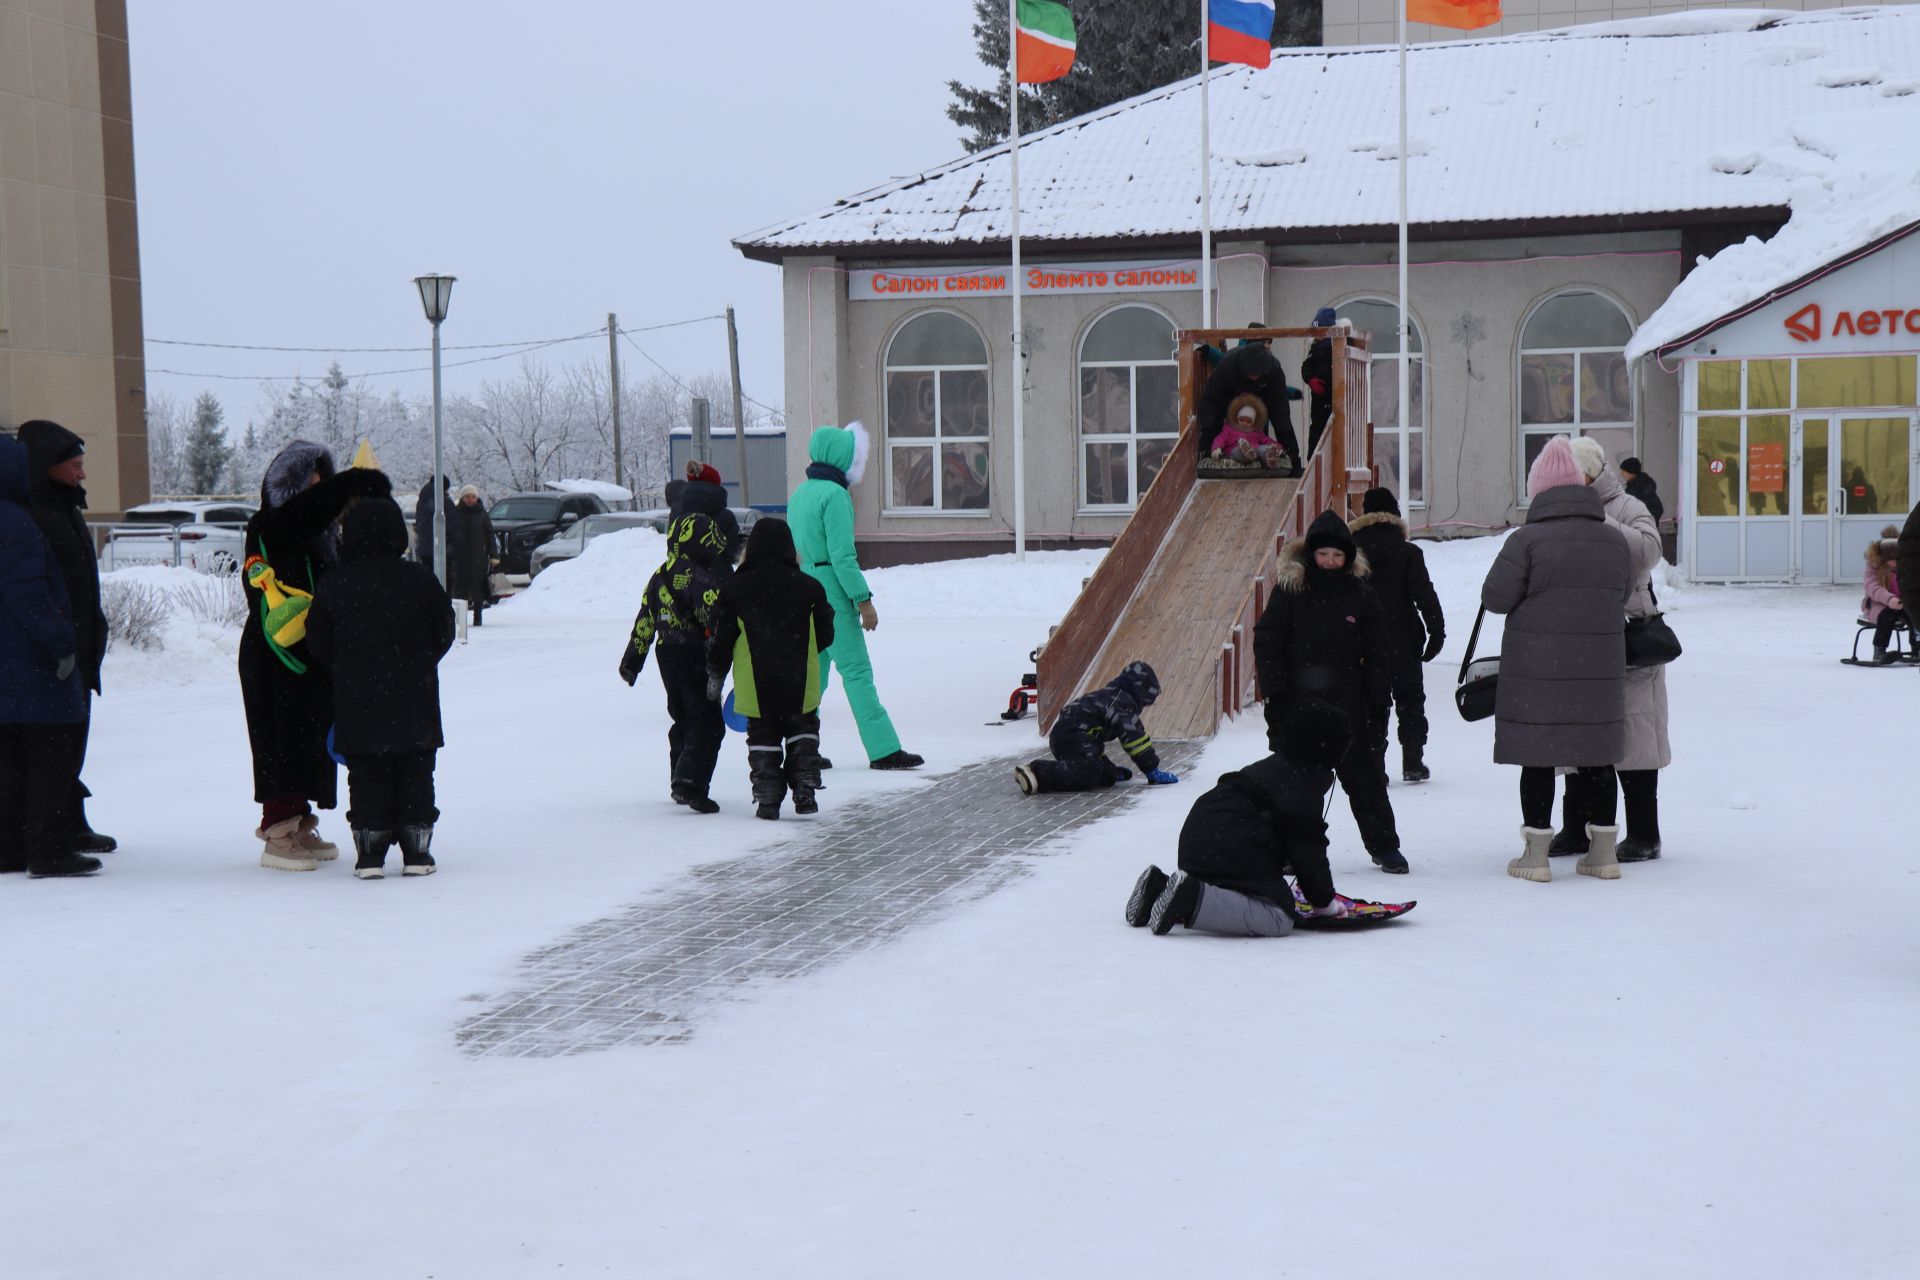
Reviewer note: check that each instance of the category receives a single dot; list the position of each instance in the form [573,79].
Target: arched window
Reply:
[1381,320]
[1129,405]
[937,415]
[1574,378]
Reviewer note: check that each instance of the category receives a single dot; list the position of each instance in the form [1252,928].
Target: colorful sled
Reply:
[1362,913]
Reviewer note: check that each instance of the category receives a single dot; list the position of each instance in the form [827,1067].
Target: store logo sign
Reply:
[1805,325]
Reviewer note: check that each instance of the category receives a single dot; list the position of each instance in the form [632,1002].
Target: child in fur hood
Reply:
[1881,604]
[1244,437]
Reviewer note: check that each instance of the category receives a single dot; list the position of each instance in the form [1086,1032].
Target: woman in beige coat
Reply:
[1647,748]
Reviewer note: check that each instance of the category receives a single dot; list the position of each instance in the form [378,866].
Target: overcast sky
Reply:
[297,165]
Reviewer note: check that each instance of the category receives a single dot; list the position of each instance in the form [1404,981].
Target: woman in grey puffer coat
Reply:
[1648,750]
[1563,582]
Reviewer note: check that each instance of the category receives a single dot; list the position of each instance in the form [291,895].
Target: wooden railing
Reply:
[1335,475]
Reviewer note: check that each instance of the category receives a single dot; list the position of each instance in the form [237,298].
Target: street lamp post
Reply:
[435,292]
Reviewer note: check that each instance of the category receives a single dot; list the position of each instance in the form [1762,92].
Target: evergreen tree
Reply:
[207,452]
[1123,48]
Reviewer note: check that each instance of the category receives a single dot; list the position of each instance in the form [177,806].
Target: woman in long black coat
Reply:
[289,697]
[470,552]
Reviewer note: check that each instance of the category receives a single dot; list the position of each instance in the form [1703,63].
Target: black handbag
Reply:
[1474,691]
[1650,641]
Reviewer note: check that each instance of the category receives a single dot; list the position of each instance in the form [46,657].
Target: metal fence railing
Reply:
[208,547]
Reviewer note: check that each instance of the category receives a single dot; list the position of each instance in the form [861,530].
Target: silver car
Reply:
[572,540]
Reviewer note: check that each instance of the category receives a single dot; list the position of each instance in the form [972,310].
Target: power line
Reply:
[375,373]
[471,346]
[628,335]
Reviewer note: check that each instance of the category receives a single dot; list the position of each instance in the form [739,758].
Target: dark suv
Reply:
[522,521]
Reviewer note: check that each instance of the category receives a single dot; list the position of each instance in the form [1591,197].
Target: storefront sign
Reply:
[1805,325]
[1766,468]
[993,282]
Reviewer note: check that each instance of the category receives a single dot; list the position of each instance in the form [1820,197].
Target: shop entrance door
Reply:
[1852,477]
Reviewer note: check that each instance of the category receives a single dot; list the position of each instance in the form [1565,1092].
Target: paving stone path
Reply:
[852,882]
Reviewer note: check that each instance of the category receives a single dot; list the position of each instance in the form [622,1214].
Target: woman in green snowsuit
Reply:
[821,514]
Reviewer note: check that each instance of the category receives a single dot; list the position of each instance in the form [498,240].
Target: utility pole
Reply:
[739,418]
[613,364]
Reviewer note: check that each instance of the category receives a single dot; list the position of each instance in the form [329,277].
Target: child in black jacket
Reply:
[1080,736]
[674,613]
[381,623]
[769,627]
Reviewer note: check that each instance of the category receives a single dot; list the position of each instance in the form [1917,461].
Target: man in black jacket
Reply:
[1250,369]
[1907,565]
[1415,624]
[423,525]
[1639,484]
[381,626]
[57,464]
[1317,372]
[1323,636]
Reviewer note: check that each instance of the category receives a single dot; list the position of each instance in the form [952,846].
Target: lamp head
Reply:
[436,292]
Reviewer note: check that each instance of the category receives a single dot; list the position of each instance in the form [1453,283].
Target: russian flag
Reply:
[1240,31]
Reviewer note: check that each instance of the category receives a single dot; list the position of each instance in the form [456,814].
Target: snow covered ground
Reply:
[1704,1068]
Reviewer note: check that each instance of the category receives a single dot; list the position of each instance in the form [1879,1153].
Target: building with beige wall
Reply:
[1351,22]
[70,328]
[1562,188]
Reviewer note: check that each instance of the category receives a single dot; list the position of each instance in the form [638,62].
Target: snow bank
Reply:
[198,638]
[606,578]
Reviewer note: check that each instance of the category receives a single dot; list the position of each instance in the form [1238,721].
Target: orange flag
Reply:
[1461,15]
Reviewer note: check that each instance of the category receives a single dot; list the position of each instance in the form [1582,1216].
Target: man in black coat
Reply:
[1639,484]
[57,465]
[1243,838]
[1323,636]
[423,524]
[1317,372]
[381,625]
[1907,562]
[1415,624]
[1247,369]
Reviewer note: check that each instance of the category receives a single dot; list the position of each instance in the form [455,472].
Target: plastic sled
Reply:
[1363,915]
[735,721]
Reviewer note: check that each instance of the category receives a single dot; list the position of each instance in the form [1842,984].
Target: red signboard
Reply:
[1766,468]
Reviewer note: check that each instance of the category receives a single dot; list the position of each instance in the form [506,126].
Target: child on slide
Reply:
[1080,736]
[1245,836]
[1243,436]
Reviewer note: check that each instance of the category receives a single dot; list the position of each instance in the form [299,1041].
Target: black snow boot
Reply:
[1391,861]
[370,853]
[767,774]
[1572,836]
[898,760]
[803,771]
[1146,892]
[1175,904]
[415,841]
[702,804]
[1412,768]
[1640,788]
[62,864]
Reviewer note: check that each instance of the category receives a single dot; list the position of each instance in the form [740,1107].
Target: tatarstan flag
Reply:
[1461,15]
[1044,41]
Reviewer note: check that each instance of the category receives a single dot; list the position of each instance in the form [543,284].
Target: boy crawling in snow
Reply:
[1080,736]
[1244,836]
[673,620]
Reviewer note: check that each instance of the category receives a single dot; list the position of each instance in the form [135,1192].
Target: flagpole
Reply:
[1206,175]
[1019,426]
[1403,464]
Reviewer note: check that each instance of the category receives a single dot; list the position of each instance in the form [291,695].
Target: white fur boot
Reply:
[1533,865]
[1600,860]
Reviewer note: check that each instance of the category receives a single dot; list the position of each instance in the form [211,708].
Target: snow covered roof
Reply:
[1851,191]
[1650,116]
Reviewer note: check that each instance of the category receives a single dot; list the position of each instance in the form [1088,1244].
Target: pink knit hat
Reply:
[1556,466]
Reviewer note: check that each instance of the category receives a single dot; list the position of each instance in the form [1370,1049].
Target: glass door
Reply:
[1872,484]
[1812,487]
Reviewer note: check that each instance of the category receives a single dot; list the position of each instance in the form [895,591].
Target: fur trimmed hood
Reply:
[1882,554]
[1290,568]
[291,469]
[1247,400]
[1376,518]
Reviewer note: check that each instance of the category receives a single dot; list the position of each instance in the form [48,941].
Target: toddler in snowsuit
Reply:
[674,614]
[1243,436]
[381,623]
[770,625]
[1880,602]
[1244,837]
[1080,736]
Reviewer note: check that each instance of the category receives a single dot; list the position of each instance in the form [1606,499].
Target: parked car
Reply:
[571,541]
[522,521]
[212,536]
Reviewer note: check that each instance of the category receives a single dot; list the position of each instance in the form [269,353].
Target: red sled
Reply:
[1360,913]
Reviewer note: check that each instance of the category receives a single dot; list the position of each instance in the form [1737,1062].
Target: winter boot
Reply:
[1635,849]
[1120,772]
[767,775]
[1028,780]
[1146,892]
[1572,836]
[283,851]
[63,864]
[1600,861]
[1881,658]
[1176,903]
[1532,865]
[803,771]
[1391,861]
[87,840]
[1412,768]
[415,841]
[898,760]
[702,804]
[370,848]
[318,847]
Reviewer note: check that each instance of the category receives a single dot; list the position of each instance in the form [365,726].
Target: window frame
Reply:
[932,443]
[1377,359]
[1578,426]
[1133,435]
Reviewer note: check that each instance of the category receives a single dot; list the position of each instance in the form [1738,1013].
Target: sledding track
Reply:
[1191,597]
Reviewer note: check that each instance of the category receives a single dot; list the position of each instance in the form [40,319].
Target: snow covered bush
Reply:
[215,599]
[136,613]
